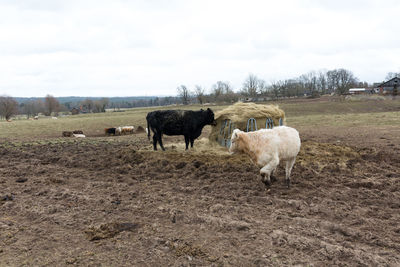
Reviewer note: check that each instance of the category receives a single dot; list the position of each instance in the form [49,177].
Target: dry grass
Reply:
[301,113]
[321,155]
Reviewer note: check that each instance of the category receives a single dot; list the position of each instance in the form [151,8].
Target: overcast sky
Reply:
[135,48]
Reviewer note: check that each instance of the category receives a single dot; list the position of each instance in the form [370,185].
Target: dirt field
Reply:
[111,201]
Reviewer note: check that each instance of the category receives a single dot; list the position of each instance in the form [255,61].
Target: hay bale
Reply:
[239,114]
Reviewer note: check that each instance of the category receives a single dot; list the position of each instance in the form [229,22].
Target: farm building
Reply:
[246,117]
[389,86]
[356,91]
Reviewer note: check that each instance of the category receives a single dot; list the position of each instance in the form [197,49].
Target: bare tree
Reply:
[228,95]
[309,82]
[346,81]
[32,107]
[223,92]
[392,75]
[275,89]
[199,93]
[88,105]
[321,82]
[262,86]
[51,105]
[340,80]
[104,103]
[183,93]
[251,86]
[8,107]
[217,90]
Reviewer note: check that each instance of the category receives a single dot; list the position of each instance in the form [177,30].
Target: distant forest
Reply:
[112,102]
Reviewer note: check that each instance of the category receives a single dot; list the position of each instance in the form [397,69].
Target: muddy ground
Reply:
[114,202]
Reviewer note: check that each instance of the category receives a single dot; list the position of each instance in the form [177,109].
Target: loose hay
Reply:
[325,155]
[204,152]
[201,146]
[140,129]
[239,114]
[108,230]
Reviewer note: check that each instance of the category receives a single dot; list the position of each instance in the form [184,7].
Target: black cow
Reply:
[109,131]
[77,132]
[178,122]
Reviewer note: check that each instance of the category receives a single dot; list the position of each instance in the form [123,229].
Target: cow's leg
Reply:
[272,176]
[155,141]
[267,169]
[159,135]
[288,170]
[191,142]
[187,142]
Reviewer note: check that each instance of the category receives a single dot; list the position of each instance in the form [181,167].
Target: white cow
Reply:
[118,131]
[267,147]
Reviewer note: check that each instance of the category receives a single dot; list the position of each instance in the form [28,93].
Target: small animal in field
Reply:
[178,122]
[109,131]
[118,130]
[127,129]
[67,134]
[268,147]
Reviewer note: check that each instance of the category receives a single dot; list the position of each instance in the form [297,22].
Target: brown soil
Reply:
[96,202]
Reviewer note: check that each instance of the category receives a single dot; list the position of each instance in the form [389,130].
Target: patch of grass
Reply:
[349,119]
[324,106]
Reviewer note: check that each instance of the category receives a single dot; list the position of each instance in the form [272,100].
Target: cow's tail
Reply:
[148,129]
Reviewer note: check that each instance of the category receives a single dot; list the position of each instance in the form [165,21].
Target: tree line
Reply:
[311,84]
[50,106]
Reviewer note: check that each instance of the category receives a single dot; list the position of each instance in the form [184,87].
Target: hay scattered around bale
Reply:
[140,129]
[201,146]
[239,114]
[108,230]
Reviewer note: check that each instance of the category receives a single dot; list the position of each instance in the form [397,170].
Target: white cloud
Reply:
[107,48]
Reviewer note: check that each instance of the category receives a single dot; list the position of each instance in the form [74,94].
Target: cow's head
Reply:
[210,116]
[235,141]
